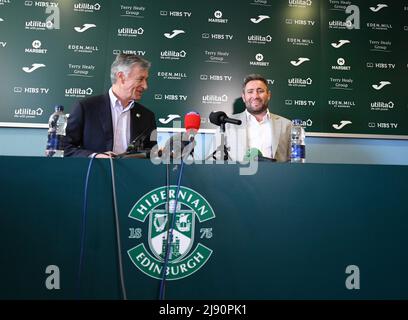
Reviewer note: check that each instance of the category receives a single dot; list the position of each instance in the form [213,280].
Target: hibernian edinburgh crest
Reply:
[184,255]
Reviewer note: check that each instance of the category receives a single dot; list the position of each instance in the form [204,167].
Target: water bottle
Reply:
[56,130]
[297,142]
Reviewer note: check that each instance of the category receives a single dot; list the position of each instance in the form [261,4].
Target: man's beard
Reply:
[257,111]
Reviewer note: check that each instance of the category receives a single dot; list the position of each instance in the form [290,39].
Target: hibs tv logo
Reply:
[185,257]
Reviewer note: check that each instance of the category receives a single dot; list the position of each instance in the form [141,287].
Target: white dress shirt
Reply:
[260,134]
[120,123]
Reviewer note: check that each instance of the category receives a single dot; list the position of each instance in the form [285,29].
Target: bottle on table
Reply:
[56,131]
[297,142]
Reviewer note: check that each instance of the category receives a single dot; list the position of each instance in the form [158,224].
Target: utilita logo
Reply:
[259,39]
[172,55]
[259,19]
[86,7]
[38,25]
[28,113]
[382,106]
[130,32]
[299,82]
[339,43]
[33,67]
[78,92]
[214,99]
[300,3]
[85,27]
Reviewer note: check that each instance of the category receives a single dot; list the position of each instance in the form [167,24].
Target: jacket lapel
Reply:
[105,117]
[276,130]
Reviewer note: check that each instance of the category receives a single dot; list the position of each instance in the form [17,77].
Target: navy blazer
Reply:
[90,129]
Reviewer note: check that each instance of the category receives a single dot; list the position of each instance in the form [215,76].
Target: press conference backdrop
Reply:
[340,81]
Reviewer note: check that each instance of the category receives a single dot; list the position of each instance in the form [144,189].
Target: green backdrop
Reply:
[341,82]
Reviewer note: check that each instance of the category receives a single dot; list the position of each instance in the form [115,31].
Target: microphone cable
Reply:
[83,228]
[117,229]
[169,239]
[167,183]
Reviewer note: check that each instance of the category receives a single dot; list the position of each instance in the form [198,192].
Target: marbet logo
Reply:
[381,85]
[173,34]
[259,19]
[378,7]
[85,27]
[34,67]
[299,61]
[340,43]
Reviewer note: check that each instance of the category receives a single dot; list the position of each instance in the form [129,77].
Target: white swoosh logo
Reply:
[169,119]
[34,67]
[299,61]
[85,27]
[173,34]
[378,8]
[260,18]
[340,43]
[381,85]
[343,123]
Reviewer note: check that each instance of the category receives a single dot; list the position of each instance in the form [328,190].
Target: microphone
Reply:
[181,145]
[254,154]
[192,122]
[138,143]
[219,118]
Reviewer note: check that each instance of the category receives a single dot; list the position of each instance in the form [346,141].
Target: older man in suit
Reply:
[105,125]
[260,129]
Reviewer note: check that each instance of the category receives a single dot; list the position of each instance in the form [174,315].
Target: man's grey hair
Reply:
[125,62]
[252,77]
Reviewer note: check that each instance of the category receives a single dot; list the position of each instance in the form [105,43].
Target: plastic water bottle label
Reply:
[298,151]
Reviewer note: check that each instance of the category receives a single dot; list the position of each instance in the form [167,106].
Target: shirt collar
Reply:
[251,118]
[115,102]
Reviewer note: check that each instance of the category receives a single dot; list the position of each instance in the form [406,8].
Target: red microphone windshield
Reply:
[192,121]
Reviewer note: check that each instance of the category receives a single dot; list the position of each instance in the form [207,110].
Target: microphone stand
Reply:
[222,148]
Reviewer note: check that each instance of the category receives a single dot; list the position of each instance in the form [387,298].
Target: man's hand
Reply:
[108,154]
